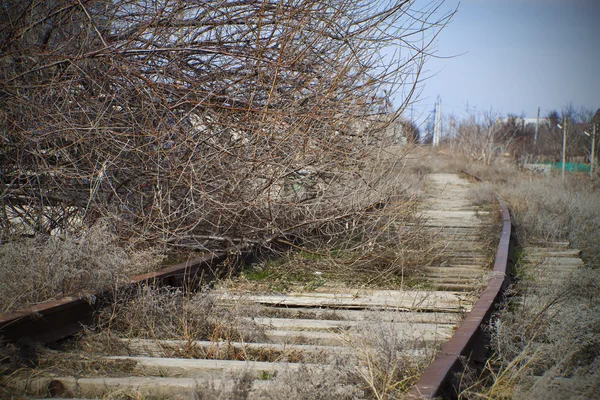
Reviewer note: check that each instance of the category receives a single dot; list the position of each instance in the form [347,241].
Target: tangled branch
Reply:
[199,123]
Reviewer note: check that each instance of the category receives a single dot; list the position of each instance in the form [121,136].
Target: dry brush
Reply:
[199,124]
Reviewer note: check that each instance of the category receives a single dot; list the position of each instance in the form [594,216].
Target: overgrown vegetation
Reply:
[387,248]
[548,208]
[41,268]
[199,125]
[203,126]
[381,362]
[207,126]
[546,345]
[173,313]
[388,362]
[483,136]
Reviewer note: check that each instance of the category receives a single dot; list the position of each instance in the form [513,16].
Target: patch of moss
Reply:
[256,274]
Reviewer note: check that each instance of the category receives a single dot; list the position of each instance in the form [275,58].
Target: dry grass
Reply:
[234,387]
[381,367]
[548,208]
[42,268]
[388,363]
[377,263]
[546,347]
[174,313]
[427,159]
[307,383]
[481,195]
[552,209]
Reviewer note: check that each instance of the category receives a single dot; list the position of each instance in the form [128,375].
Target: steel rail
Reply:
[468,344]
[58,319]
[54,320]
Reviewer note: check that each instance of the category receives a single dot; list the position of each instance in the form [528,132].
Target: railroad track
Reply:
[301,333]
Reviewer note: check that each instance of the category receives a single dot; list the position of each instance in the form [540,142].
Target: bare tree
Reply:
[482,137]
[199,123]
[550,141]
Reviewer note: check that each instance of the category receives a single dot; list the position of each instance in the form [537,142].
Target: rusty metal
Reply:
[468,344]
[57,319]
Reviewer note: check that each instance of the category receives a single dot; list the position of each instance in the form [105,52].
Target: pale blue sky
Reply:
[517,55]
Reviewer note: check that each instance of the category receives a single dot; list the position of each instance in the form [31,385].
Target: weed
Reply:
[548,208]
[481,195]
[548,345]
[386,362]
[257,274]
[38,269]
[545,341]
[232,386]
[314,284]
[265,375]
[171,313]
[308,383]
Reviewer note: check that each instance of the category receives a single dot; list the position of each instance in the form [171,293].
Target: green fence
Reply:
[571,167]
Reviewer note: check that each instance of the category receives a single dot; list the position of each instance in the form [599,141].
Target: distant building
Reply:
[532,121]
[525,122]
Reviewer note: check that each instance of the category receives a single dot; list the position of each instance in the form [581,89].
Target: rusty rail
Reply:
[57,319]
[468,344]
[54,320]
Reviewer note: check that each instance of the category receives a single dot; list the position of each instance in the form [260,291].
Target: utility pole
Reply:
[564,149]
[437,125]
[537,127]
[441,128]
[593,151]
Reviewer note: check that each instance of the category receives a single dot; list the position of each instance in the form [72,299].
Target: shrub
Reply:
[547,346]
[549,208]
[43,268]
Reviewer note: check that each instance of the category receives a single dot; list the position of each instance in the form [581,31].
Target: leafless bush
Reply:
[388,363]
[547,347]
[553,209]
[38,269]
[330,382]
[549,143]
[198,124]
[480,139]
[386,248]
[383,246]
